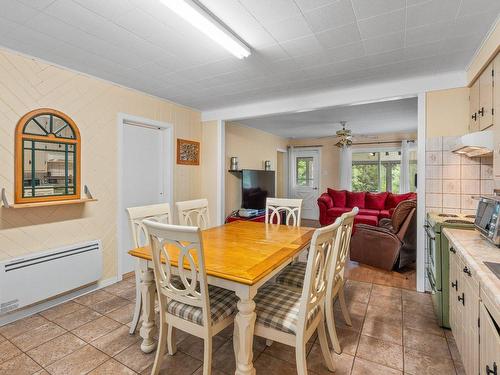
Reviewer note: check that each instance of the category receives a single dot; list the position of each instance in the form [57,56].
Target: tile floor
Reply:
[393,332]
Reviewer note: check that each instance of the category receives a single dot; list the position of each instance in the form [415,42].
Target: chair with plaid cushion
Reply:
[291,317]
[281,208]
[194,213]
[293,276]
[186,302]
[158,212]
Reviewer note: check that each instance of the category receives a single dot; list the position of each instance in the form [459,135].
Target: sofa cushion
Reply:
[338,196]
[337,211]
[368,212]
[394,199]
[376,201]
[356,199]
[384,214]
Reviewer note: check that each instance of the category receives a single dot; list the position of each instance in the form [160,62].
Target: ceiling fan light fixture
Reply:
[344,135]
[197,16]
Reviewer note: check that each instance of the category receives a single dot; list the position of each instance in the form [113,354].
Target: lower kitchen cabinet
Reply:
[464,311]
[489,358]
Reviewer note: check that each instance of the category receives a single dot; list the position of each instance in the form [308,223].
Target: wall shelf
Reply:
[87,199]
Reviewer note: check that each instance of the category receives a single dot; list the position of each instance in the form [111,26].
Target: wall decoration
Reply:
[188,152]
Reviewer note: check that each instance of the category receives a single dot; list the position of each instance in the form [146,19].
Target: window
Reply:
[305,171]
[47,157]
[380,171]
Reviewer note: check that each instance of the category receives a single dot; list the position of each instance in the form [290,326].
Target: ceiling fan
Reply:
[344,136]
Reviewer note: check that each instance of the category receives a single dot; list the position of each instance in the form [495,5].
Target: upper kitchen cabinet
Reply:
[474,107]
[481,100]
[485,111]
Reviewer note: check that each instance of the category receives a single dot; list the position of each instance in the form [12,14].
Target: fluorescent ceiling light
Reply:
[206,23]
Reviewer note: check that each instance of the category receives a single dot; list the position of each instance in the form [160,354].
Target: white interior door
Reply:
[305,180]
[144,177]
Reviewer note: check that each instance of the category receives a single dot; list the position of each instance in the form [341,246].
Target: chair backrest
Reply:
[315,280]
[185,247]
[156,212]
[342,245]
[194,213]
[402,215]
[291,207]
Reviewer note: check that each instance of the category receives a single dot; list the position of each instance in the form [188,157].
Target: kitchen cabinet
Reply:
[496,117]
[474,107]
[485,109]
[464,311]
[490,342]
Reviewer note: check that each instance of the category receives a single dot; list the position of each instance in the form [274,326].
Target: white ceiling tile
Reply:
[431,12]
[423,50]
[271,53]
[470,7]
[302,46]
[453,44]
[290,28]
[330,16]
[427,33]
[384,24]
[139,22]
[268,12]
[306,5]
[370,8]
[38,4]
[476,23]
[16,11]
[384,43]
[330,56]
[108,9]
[386,58]
[340,36]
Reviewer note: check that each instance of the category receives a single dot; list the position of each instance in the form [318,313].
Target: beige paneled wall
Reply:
[252,147]
[26,84]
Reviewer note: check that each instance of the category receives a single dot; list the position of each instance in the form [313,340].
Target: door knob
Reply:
[452,249]
[315,188]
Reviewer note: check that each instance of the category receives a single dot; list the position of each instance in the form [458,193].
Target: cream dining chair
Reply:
[290,207]
[186,302]
[194,213]
[291,317]
[293,276]
[159,212]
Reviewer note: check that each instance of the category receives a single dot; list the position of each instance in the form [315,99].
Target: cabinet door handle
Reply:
[474,116]
[462,299]
[481,112]
[455,285]
[490,371]
[452,249]
[467,271]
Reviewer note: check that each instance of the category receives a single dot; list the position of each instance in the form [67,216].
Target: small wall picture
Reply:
[188,152]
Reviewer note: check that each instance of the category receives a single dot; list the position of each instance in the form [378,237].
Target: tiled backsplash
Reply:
[453,180]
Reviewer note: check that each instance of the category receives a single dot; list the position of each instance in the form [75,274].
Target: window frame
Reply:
[21,137]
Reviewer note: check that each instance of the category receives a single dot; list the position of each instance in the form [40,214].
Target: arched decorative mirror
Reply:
[47,157]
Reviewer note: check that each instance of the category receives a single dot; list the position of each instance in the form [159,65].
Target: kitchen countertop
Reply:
[475,250]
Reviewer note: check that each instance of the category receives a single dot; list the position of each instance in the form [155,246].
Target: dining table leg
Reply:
[148,289]
[244,325]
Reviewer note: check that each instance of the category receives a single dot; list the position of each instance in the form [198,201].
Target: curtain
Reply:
[404,175]
[346,168]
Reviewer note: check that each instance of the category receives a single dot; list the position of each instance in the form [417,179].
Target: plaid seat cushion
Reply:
[293,275]
[278,307]
[222,305]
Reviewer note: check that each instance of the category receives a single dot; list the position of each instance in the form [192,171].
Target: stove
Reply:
[438,258]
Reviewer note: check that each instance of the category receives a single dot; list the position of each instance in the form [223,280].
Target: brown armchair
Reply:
[392,243]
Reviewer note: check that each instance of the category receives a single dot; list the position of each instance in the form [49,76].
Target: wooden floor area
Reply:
[405,278]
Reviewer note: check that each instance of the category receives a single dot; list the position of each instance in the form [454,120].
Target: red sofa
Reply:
[372,206]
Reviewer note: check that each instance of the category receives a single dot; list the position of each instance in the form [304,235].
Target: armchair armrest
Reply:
[386,223]
[325,200]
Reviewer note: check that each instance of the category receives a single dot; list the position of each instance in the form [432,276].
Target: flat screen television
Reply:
[256,187]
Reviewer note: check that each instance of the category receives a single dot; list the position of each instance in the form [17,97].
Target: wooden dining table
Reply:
[240,256]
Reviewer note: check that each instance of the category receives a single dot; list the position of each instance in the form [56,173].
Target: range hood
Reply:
[475,144]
